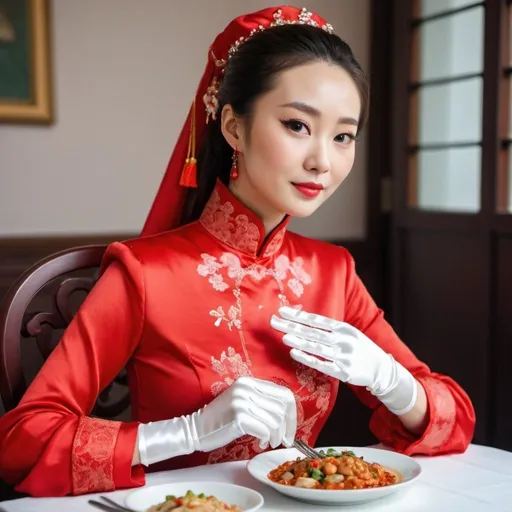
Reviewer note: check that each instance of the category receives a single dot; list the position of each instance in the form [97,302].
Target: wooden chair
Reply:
[38,305]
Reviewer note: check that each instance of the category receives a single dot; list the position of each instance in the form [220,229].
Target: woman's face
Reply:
[300,144]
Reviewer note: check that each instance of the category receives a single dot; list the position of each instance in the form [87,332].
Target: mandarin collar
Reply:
[231,222]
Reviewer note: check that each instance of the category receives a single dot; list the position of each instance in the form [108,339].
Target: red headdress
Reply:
[181,170]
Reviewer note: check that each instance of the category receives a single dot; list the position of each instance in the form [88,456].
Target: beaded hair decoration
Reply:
[210,98]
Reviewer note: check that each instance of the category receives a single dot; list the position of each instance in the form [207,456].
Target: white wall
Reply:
[125,73]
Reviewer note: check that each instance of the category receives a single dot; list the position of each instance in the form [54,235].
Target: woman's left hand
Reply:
[340,350]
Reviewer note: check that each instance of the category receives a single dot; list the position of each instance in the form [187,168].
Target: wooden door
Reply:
[449,286]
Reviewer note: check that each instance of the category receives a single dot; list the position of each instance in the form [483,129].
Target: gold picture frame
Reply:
[25,62]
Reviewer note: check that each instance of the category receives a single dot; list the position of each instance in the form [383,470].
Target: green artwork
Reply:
[14,51]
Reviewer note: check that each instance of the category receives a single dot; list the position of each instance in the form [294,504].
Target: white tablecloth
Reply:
[478,480]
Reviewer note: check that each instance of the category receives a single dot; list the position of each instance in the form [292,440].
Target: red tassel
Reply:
[189,173]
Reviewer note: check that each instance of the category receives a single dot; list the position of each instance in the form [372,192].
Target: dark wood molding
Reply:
[379,148]
[19,253]
[53,243]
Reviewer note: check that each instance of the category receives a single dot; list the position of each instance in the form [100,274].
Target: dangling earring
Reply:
[234,167]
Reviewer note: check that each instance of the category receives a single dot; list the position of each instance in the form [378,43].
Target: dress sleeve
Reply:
[451,415]
[49,445]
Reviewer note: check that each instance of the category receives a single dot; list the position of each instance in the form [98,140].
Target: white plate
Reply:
[247,499]
[262,464]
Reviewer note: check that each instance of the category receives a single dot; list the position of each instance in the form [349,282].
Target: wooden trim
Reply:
[412,182]
[380,138]
[446,13]
[441,220]
[504,176]
[417,83]
[506,34]
[415,65]
[502,224]
[491,106]
[54,243]
[444,145]
[19,253]
[414,115]
[399,121]
[504,173]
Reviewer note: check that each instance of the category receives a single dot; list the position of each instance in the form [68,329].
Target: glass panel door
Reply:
[446,93]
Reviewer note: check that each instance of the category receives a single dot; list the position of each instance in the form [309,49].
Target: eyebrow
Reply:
[308,109]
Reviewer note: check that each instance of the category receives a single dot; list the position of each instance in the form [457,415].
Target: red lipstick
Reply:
[310,190]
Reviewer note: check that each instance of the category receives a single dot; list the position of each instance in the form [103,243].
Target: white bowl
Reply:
[247,499]
[261,465]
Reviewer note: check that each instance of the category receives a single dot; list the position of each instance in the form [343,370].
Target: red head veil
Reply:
[180,174]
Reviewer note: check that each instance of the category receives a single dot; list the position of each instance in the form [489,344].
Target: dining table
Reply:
[480,479]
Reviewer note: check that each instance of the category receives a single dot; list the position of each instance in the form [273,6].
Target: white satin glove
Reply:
[342,351]
[249,406]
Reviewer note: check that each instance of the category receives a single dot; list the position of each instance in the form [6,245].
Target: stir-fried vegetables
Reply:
[336,470]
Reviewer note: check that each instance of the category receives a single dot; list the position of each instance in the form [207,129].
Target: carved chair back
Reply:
[36,310]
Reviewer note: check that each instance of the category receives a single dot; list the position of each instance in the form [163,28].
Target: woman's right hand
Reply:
[249,406]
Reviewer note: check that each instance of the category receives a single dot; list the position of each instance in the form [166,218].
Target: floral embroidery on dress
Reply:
[315,387]
[444,411]
[238,232]
[313,393]
[231,367]
[229,267]
[92,458]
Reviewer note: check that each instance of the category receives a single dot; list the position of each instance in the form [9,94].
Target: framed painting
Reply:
[25,62]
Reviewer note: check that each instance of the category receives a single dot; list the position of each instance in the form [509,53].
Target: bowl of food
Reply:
[197,496]
[344,475]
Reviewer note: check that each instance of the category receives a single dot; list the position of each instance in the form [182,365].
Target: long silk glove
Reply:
[249,406]
[342,351]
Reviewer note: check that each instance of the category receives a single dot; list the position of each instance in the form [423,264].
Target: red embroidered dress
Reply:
[188,312]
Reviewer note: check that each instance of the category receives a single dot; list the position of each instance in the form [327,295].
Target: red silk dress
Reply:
[187,312]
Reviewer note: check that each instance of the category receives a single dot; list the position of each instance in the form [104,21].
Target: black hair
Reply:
[251,72]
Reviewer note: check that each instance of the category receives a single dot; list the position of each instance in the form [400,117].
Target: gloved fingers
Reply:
[311,347]
[272,416]
[249,425]
[277,400]
[277,411]
[274,422]
[343,371]
[303,331]
[264,426]
[269,389]
[309,319]
[290,424]
[276,406]
[327,367]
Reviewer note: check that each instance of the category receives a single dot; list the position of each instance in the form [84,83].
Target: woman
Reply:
[215,310]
